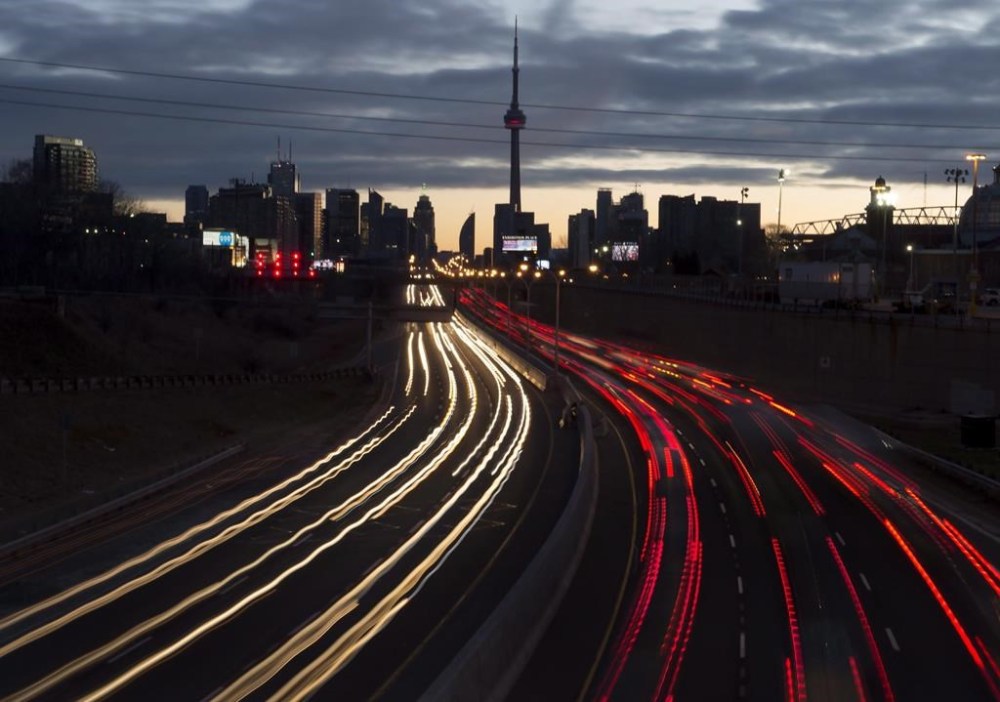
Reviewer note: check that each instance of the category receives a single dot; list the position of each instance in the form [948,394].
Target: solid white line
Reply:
[892,638]
[302,625]
[864,581]
[233,584]
[722,507]
[122,654]
[732,541]
[739,584]
[743,645]
[840,538]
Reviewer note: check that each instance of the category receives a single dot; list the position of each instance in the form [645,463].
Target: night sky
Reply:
[849,75]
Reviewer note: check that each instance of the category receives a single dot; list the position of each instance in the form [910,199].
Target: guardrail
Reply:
[490,663]
[64,524]
[30,386]
[989,486]
[532,373]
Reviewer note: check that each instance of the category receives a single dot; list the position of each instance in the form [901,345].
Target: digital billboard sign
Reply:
[520,243]
[624,251]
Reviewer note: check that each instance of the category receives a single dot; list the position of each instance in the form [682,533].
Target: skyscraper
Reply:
[284,176]
[195,204]
[64,164]
[343,222]
[423,218]
[513,120]
[467,238]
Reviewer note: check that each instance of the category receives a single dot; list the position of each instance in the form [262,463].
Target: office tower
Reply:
[64,165]
[309,213]
[467,238]
[195,205]
[423,219]
[284,176]
[343,222]
[580,238]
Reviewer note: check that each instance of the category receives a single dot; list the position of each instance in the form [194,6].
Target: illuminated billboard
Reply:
[520,244]
[625,251]
[219,237]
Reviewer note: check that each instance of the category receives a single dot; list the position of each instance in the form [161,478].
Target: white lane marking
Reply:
[864,581]
[722,507]
[739,584]
[233,584]
[691,445]
[892,639]
[122,654]
[702,460]
[732,541]
[300,626]
[743,644]
[712,480]
[840,538]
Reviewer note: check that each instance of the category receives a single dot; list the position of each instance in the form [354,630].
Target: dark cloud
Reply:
[922,61]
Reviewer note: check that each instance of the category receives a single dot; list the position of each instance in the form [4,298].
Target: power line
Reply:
[478,140]
[471,101]
[492,127]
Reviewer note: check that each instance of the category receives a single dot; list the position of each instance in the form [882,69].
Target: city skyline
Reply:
[756,60]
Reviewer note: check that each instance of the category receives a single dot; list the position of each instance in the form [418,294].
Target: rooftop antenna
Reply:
[279,147]
[289,150]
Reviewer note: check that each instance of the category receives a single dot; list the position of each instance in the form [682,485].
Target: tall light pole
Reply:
[911,283]
[956,176]
[974,273]
[781,183]
[559,280]
[739,223]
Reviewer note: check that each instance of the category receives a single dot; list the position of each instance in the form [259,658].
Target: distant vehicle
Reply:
[990,297]
[825,283]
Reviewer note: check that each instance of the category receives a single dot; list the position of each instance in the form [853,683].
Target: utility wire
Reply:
[492,127]
[478,140]
[471,101]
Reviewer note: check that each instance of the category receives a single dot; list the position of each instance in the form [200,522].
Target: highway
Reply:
[356,573]
[775,552]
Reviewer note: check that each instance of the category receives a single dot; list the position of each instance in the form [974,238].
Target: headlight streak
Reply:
[379,616]
[336,513]
[156,658]
[122,641]
[424,363]
[331,661]
[411,370]
[188,534]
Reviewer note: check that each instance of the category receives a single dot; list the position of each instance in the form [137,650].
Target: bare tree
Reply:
[19,171]
[125,205]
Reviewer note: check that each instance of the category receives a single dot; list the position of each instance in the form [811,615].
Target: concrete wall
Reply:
[888,362]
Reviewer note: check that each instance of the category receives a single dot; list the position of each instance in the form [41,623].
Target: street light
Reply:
[974,273]
[956,176]
[911,283]
[781,183]
[739,223]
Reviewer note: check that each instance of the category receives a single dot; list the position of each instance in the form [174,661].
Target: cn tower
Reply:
[514,121]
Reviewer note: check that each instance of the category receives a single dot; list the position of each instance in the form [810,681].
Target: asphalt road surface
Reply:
[351,574]
[777,554]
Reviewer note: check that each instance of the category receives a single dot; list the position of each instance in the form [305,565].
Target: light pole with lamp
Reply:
[739,223]
[781,183]
[974,273]
[560,275]
[910,283]
[956,176]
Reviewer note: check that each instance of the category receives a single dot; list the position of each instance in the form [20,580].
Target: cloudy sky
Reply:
[671,96]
